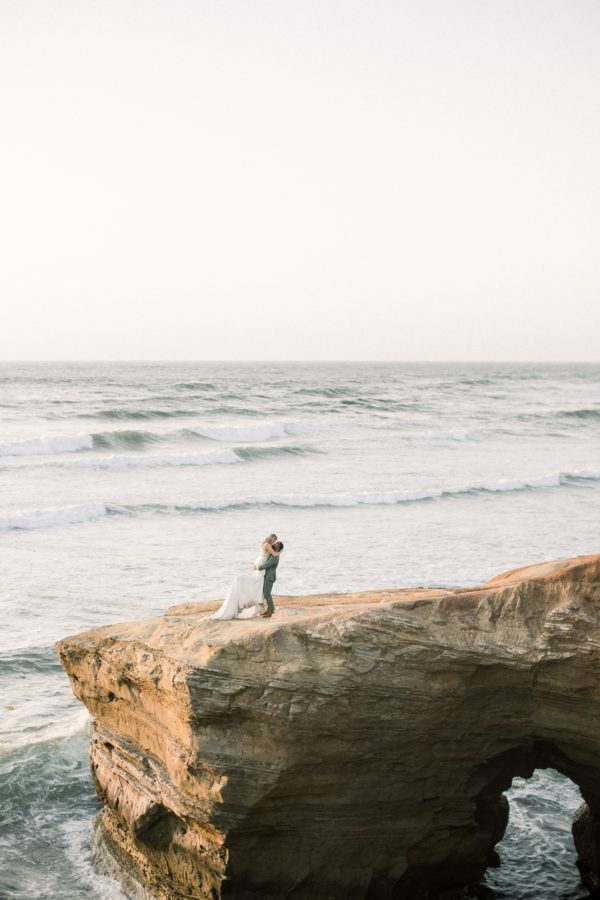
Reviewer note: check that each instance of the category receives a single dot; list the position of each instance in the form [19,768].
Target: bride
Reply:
[244,599]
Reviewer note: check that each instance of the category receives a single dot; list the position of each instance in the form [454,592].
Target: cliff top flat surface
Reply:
[185,632]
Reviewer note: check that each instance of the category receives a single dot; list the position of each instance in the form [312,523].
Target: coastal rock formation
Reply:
[353,746]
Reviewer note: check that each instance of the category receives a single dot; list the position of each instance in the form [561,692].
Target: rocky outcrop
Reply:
[353,746]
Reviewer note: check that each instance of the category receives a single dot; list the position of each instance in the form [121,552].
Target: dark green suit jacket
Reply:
[270,566]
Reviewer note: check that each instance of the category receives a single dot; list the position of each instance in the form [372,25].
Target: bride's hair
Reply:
[278,546]
[270,539]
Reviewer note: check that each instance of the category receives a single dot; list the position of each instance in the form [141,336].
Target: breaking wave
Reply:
[88,512]
[119,462]
[374,498]
[126,440]
[45,446]
[123,463]
[74,722]
[76,514]
[135,439]
[266,431]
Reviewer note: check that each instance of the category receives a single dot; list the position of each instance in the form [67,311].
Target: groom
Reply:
[270,568]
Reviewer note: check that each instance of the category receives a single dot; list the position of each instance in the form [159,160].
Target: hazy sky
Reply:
[300,179]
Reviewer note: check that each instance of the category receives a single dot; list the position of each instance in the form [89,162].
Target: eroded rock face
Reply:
[352,746]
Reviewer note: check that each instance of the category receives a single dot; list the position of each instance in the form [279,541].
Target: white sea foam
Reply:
[261,431]
[48,445]
[442,437]
[74,722]
[25,520]
[118,462]
[81,851]
[123,463]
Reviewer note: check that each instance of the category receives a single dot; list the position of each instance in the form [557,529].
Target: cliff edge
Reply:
[353,746]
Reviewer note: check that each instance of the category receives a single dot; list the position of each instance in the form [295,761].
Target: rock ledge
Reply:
[353,746]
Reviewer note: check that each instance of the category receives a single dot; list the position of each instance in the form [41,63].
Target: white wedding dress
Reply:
[245,596]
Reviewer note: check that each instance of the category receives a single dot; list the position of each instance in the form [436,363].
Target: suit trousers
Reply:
[267,588]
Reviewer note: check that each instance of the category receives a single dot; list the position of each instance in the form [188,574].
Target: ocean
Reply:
[127,488]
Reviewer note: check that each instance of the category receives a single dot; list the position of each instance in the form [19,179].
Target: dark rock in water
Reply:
[586,834]
[353,746]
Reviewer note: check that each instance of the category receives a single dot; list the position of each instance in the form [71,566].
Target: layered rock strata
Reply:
[353,746]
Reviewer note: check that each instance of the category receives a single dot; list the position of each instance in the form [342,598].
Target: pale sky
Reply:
[300,179]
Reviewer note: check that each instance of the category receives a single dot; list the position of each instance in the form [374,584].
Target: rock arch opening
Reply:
[463,860]
[537,855]
[551,845]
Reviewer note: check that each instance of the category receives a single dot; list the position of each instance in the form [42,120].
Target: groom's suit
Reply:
[270,567]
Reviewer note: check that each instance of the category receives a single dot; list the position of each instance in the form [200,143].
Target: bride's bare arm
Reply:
[266,548]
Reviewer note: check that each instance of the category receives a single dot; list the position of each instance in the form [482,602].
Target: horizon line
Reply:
[278,362]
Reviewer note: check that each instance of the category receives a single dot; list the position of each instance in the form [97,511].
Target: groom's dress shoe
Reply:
[267,614]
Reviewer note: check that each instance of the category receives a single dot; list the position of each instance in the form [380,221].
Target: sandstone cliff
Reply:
[353,746]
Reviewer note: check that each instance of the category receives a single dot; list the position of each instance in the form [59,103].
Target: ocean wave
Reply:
[73,723]
[327,391]
[174,460]
[475,382]
[88,512]
[374,498]
[98,872]
[572,416]
[126,440]
[46,446]
[195,386]
[136,439]
[138,414]
[378,405]
[33,659]
[122,463]
[75,514]
[264,431]
[590,413]
[250,453]
[442,437]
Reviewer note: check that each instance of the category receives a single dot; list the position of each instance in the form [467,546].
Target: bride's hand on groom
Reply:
[254,566]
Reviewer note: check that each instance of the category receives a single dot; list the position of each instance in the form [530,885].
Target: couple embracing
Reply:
[245,597]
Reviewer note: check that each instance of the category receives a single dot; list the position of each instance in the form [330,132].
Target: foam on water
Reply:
[78,842]
[44,446]
[123,463]
[75,721]
[265,431]
[542,807]
[75,514]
